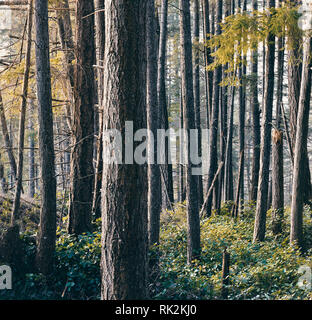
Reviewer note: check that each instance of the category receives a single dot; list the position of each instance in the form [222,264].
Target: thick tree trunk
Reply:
[82,173]
[296,227]
[294,82]
[47,229]
[193,234]
[124,197]
[265,149]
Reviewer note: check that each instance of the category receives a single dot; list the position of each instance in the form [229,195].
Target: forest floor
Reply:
[29,212]
[262,271]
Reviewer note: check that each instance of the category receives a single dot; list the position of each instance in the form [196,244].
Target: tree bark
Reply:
[193,247]
[67,43]
[47,229]
[162,98]
[228,174]
[208,58]
[256,136]
[7,140]
[197,103]
[154,178]
[296,226]
[31,157]
[277,148]
[124,197]
[19,178]
[223,122]
[100,47]
[265,148]
[294,83]
[82,172]
[213,131]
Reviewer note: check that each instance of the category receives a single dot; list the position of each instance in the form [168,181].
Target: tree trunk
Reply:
[124,197]
[277,181]
[296,226]
[100,46]
[162,98]
[265,148]
[181,165]
[223,123]
[154,178]
[19,178]
[47,229]
[67,43]
[3,183]
[213,131]
[277,149]
[294,81]
[7,140]
[82,173]
[193,247]
[197,94]
[228,174]
[31,156]
[256,136]
[208,58]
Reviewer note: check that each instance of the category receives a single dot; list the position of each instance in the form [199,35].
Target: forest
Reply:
[155,150]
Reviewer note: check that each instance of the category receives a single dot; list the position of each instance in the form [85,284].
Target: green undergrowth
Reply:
[267,270]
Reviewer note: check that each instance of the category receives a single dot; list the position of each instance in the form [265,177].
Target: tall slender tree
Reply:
[166,170]
[197,91]
[256,136]
[7,139]
[82,171]
[47,227]
[153,115]
[277,146]
[265,148]
[19,178]
[208,58]
[193,248]
[99,20]
[213,131]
